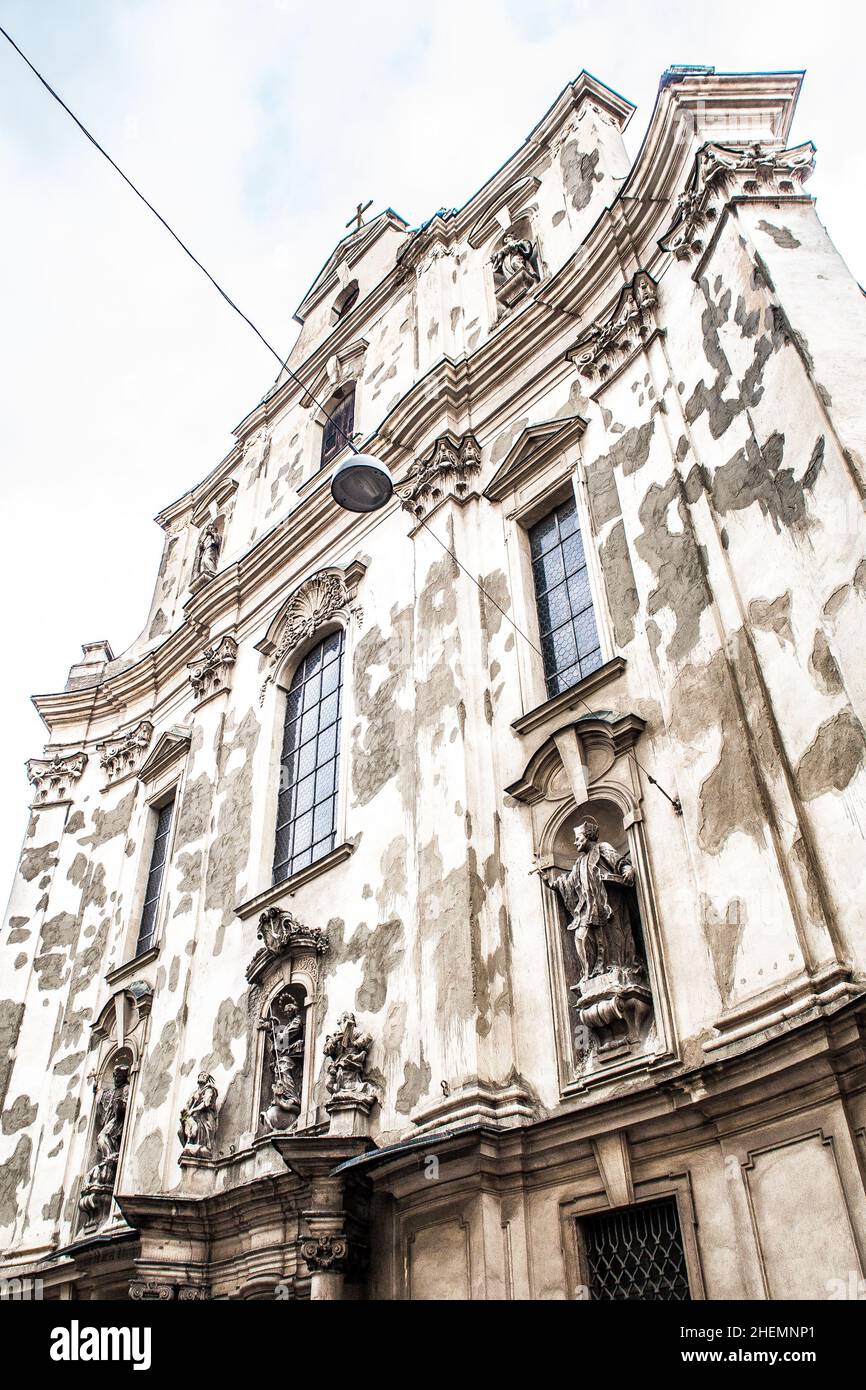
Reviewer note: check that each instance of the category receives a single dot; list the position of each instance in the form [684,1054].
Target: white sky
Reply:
[255,128]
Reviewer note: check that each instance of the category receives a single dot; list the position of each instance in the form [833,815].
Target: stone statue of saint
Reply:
[207,552]
[286,1037]
[111,1106]
[346,1050]
[198,1120]
[512,257]
[595,894]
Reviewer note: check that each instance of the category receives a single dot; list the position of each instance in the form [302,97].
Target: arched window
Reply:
[346,300]
[339,424]
[309,766]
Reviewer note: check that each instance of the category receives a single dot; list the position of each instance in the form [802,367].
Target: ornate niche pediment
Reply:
[750,170]
[283,936]
[124,753]
[575,760]
[533,450]
[54,778]
[327,594]
[445,470]
[614,337]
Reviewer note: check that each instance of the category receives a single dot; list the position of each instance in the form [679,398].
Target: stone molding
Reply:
[325,595]
[123,753]
[445,470]
[282,934]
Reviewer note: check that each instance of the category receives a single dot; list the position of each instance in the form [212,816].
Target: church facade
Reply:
[464,900]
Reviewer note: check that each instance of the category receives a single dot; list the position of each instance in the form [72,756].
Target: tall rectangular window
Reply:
[636,1254]
[339,425]
[310,763]
[159,854]
[569,637]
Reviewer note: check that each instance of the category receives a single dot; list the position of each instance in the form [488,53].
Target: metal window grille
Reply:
[338,426]
[159,853]
[636,1254]
[309,767]
[569,637]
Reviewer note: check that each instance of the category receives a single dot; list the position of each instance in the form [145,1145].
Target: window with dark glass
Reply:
[569,637]
[339,425]
[636,1254]
[158,856]
[309,767]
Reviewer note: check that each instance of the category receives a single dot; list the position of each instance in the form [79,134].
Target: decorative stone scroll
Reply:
[282,934]
[446,470]
[156,1291]
[325,1254]
[757,170]
[612,996]
[211,673]
[609,341]
[325,595]
[124,753]
[55,777]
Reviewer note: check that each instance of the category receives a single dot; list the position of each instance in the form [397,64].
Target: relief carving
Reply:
[446,471]
[315,602]
[212,671]
[285,1062]
[608,341]
[124,752]
[282,934]
[54,777]
[515,270]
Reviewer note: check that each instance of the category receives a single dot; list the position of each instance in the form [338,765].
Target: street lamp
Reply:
[361,484]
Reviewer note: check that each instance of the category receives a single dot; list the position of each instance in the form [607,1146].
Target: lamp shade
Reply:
[361,484]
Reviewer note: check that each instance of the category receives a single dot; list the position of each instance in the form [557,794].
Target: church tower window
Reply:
[339,425]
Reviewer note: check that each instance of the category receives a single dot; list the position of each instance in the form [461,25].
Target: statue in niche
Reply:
[346,1051]
[207,552]
[111,1105]
[198,1120]
[594,897]
[513,257]
[285,1026]
[613,1000]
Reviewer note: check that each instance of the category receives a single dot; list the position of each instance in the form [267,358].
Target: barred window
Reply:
[309,767]
[339,425]
[569,637]
[636,1254]
[158,856]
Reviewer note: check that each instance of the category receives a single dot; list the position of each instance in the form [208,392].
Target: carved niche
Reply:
[125,752]
[515,266]
[326,595]
[211,673]
[445,470]
[754,169]
[611,339]
[207,554]
[284,975]
[583,791]
[55,777]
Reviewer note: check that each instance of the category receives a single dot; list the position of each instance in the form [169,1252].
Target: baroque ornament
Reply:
[282,934]
[285,1053]
[514,270]
[315,602]
[325,1254]
[610,340]
[124,752]
[54,777]
[761,171]
[612,996]
[211,672]
[207,553]
[445,471]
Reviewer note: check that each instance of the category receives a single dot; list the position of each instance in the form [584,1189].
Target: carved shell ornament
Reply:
[317,600]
